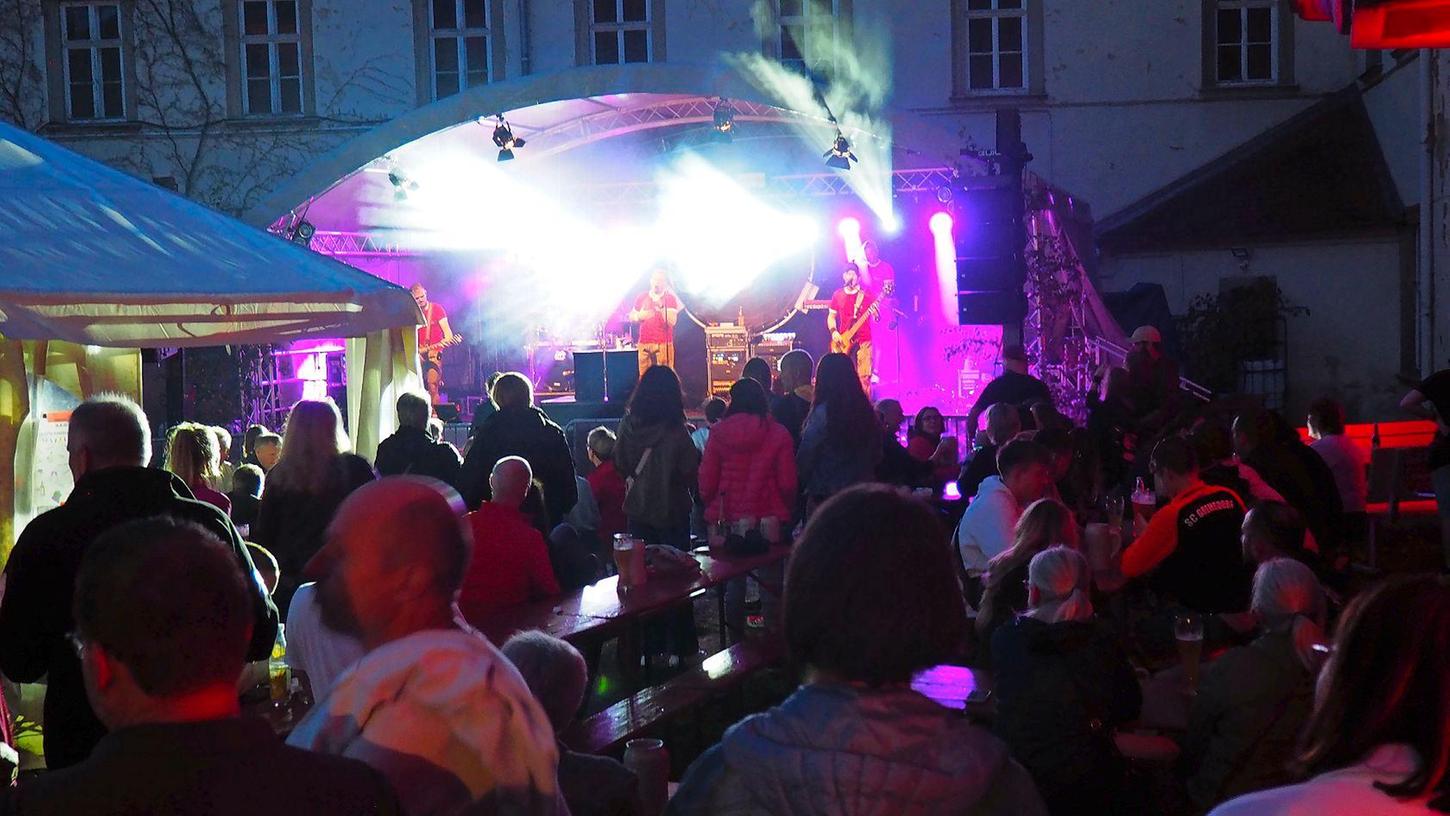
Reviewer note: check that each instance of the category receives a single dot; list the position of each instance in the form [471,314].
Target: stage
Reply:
[538,261]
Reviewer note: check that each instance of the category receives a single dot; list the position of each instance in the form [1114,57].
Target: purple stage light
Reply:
[940,222]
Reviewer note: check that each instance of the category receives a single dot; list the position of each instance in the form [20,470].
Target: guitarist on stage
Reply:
[852,311]
[433,336]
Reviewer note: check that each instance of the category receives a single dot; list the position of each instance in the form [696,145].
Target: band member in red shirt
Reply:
[849,305]
[877,270]
[656,312]
[433,336]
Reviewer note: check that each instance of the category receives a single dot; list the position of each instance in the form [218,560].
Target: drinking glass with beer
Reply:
[1188,631]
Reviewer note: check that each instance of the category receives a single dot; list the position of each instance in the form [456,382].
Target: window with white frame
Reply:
[807,26]
[1246,34]
[620,31]
[461,45]
[996,46]
[95,83]
[271,57]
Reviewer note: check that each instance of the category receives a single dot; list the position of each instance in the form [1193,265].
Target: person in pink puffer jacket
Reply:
[749,465]
[748,472]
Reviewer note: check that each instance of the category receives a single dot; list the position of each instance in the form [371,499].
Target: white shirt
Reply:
[986,527]
[1345,792]
[1348,464]
[312,647]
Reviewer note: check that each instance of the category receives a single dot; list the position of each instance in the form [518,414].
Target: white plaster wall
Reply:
[1346,347]
[364,58]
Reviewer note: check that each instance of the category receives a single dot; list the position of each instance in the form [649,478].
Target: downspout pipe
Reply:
[1425,294]
[526,49]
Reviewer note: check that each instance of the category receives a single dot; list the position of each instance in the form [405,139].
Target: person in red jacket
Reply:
[606,484]
[510,563]
[748,472]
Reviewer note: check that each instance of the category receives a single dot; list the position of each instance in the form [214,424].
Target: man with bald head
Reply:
[109,444]
[510,558]
[432,705]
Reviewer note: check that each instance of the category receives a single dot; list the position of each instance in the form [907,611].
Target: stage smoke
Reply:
[855,85]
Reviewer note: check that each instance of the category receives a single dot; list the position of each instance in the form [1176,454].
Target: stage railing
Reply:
[1104,350]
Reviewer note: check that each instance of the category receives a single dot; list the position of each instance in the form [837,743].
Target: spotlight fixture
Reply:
[840,155]
[724,121]
[401,183]
[303,232]
[944,194]
[503,136]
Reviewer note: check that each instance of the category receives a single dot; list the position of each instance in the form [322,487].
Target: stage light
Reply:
[698,204]
[840,155]
[724,121]
[944,251]
[891,224]
[944,194]
[849,228]
[401,183]
[303,232]
[503,137]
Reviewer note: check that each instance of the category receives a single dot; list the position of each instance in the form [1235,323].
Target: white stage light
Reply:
[718,237]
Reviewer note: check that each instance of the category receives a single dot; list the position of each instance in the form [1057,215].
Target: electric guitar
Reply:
[433,352]
[847,341]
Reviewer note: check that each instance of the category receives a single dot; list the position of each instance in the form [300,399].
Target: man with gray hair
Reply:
[109,444]
[1004,421]
[558,677]
[510,559]
[411,450]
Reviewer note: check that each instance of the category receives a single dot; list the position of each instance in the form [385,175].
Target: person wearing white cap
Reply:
[1152,378]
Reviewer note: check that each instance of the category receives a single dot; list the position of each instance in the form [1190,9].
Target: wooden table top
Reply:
[601,608]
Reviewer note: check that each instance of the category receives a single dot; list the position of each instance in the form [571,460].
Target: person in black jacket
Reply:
[411,450]
[1064,683]
[1266,443]
[520,429]
[109,443]
[791,406]
[161,624]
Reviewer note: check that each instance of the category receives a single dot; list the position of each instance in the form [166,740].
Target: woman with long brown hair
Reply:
[841,440]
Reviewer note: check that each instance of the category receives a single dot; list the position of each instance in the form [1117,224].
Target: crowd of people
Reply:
[1164,575]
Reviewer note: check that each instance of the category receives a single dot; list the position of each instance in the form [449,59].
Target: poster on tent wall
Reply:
[50,475]
[41,382]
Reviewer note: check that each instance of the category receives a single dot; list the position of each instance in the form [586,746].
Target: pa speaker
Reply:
[991,307]
[589,376]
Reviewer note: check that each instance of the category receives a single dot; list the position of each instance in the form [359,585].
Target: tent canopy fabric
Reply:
[92,255]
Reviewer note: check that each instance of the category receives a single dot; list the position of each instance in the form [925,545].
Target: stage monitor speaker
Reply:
[621,372]
[447,411]
[589,376]
[991,308]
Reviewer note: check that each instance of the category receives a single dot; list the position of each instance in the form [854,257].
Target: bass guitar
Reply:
[847,341]
[433,352]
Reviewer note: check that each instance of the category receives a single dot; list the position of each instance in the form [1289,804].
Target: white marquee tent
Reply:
[96,264]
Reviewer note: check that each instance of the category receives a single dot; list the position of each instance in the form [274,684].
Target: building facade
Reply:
[1127,104]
